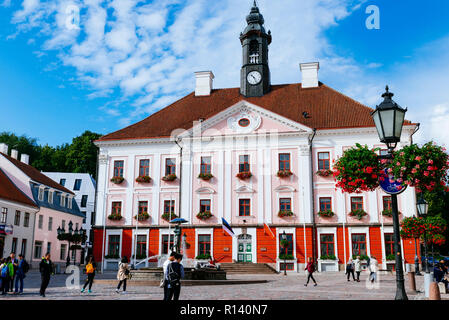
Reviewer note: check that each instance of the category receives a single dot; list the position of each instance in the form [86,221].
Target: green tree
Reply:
[81,156]
[23,144]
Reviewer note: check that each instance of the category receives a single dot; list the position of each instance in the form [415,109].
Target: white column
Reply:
[373,209]
[155,214]
[305,181]
[102,189]
[260,186]
[186,185]
[221,187]
[228,185]
[129,176]
[268,189]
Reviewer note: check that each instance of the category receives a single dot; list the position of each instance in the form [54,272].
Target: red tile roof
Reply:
[327,109]
[9,191]
[36,175]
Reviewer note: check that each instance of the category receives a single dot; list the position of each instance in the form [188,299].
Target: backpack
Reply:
[26,266]
[5,270]
[89,268]
[173,277]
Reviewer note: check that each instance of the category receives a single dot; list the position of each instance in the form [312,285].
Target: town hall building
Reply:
[258,156]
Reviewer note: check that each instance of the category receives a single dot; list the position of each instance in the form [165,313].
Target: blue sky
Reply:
[128,58]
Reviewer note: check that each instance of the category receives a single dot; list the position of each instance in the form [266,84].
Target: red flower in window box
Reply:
[143,179]
[115,217]
[117,180]
[142,216]
[205,176]
[244,175]
[284,173]
[324,173]
[204,215]
[285,213]
[358,214]
[167,217]
[170,177]
[326,214]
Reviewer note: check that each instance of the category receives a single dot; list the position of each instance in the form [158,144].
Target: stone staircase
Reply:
[247,268]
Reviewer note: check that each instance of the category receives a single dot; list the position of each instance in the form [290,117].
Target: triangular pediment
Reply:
[244,189]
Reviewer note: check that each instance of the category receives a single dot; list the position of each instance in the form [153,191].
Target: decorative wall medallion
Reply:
[244,122]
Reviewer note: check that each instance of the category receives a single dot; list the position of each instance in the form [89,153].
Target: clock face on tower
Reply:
[254,77]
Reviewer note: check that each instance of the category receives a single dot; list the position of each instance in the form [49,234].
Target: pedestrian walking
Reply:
[164,282]
[350,269]
[310,269]
[175,272]
[373,268]
[7,272]
[22,269]
[122,274]
[15,264]
[358,267]
[46,270]
[91,267]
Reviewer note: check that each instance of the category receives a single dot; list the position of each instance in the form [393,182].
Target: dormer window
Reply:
[41,194]
[69,202]
[50,196]
[62,203]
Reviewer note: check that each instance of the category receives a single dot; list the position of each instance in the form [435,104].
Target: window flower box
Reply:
[358,214]
[328,257]
[166,216]
[169,177]
[286,257]
[324,173]
[117,180]
[326,214]
[142,217]
[284,173]
[389,213]
[115,217]
[204,215]
[285,213]
[143,179]
[244,175]
[205,176]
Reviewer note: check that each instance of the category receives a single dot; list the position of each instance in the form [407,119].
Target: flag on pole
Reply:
[227,227]
[267,229]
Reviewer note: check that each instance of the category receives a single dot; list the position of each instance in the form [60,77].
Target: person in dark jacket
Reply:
[310,267]
[46,270]
[20,275]
[15,264]
[175,272]
[91,266]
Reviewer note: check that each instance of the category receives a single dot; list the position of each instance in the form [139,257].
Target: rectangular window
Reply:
[62,202]
[244,163]
[50,223]
[327,244]
[40,222]
[244,207]
[49,247]
[37,249]
[289,250]
[84,214]
[63,253]
[358,244]
[206,165]
[92,218]
[285,204]
[169,206]
[69,202]
[204,205]
[77,185]
[4,215]
[63,224]
[14,245]
[325,203]
[118,168]
[204,244]
[23,250]
[26,220]
[62,182]
[17,218]
[165,245]
[40,195]
[84,201]
[114,246]
[170,166]
[387,202]
[73,254]
[142,245]
[389,244]
[356,203]
[284,162]
[117,208]
[50,197]
[144,168]
[323,161]
[143,207]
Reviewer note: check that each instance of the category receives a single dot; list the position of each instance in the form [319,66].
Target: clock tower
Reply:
[255,73]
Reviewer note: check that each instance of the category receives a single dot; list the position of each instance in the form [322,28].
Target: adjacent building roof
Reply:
[9,191]
[36,175]
[326,109]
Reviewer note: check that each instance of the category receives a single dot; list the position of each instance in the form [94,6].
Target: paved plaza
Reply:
[331,286]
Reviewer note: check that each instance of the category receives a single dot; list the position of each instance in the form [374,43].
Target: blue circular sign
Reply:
[390,185]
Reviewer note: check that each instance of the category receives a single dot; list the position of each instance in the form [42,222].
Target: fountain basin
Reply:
[146,274]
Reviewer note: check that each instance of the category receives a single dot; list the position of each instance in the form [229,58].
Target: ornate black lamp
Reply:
[423,206]
[284,238]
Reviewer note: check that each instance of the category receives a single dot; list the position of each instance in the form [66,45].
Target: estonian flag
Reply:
[227,227]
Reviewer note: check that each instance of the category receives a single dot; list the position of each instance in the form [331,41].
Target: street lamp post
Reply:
[389,119]
[416,260]
[423,206]
[284,238]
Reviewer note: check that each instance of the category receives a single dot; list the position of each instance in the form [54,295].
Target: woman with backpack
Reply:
[91,266]
[122,274]
[310,268]
[7,272]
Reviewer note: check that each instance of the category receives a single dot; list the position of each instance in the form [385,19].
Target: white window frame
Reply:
[201,232]
[279,231]
[113,233]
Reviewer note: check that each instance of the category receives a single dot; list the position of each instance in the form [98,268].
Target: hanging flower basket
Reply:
[244,175]
[285,213]
[436,239]
[358,214]
[412,227]
[204,215]
[142,216]
[170,177]
[284,173]
[143,179]
[326,214]
[425,168]
[117,180]
[324,173]
[115,217]
[358,170]
[166,216]
[205,176]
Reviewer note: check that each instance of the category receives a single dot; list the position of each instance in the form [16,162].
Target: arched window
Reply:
[254,51]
